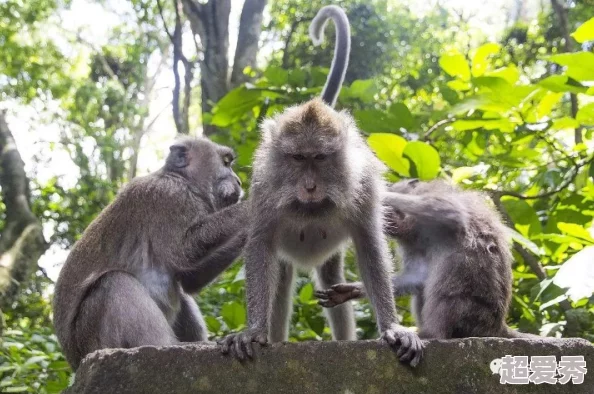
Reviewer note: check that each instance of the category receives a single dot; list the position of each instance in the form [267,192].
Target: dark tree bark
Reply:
[210,21]
[21,241]
[563,18]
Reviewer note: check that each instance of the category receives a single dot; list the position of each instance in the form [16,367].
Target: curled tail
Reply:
[341,51]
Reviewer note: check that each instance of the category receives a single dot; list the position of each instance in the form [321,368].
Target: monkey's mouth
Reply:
[312,207]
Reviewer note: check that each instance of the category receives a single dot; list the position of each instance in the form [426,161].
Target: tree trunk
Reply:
[563,17]
[210,22]
[21,241]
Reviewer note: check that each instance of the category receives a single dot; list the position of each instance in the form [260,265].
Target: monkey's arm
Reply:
[261,274]
[373,259]
[211,233]
[213,264]
[429,209]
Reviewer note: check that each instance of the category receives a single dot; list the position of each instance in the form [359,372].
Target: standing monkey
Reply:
[456,258]
[126,281]
[315,186]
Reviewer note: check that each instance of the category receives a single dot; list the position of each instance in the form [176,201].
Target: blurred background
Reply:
[494,96]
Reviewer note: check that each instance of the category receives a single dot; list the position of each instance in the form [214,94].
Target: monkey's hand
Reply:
[339,294]
[240,345]
[408,343]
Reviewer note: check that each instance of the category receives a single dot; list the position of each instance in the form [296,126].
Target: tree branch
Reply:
[250,27]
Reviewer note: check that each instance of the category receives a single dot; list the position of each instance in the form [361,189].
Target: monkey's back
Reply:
[145,237]
[474,273]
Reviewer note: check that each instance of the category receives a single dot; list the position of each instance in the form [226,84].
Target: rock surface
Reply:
[449,367]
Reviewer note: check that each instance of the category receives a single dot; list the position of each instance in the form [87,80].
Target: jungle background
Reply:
[496,96]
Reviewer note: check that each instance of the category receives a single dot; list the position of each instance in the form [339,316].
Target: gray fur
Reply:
[457,261]
[315,186]
[342,50]
[126,280]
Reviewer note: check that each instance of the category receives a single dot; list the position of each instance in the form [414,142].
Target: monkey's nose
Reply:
[310,188]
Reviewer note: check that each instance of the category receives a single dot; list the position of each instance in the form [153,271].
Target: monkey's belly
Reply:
[310,246]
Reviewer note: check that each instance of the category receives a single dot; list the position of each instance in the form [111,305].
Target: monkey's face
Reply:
[311,176]
[208,166]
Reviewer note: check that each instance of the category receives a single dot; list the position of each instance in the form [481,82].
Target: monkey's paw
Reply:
[240,345]
[408,343]
[338,294]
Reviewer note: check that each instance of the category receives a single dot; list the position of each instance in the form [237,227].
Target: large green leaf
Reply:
[480,61]
[585,115]
[523,216]
[234,105]
[562,84]
[580,65]
[402,116]
[375,121]
[455,65]
[233,314]
[577,274]
[425,159]
[362,89]
[585,32]
[390,148]
[510,73]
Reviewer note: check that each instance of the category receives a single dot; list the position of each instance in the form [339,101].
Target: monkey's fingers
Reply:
[237,350]
[226,344]
[262,339]
[327,303]
[322,294]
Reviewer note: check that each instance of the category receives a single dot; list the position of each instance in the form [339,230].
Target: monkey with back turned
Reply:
[316,185]
[456,261]
[126,281]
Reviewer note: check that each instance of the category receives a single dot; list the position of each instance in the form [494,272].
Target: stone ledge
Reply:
[449,367]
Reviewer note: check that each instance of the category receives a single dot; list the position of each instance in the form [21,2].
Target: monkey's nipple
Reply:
[324,235]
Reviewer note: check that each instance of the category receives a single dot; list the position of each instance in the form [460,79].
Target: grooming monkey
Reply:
[315,186]
[456,261]
[126,281]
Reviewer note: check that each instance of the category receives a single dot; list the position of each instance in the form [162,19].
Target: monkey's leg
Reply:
[211,266]
[341,317]
[410,282]
[439,317]
[417,302]
[118,312]
[189,324]
[282,305]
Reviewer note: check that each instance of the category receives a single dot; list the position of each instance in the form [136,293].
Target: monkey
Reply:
[456,261]
[316,185]
[127,280]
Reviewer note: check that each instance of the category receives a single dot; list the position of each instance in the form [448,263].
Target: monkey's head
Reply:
[307,159]
[208,166]
[406,186]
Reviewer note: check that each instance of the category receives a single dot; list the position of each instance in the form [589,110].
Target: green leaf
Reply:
[585,115]
[525,242]
[297,77]
[362,89]
[390,148]
[233,314]
[15,389]
[234,105]
[577,274]
[585,32]
[425,159]
[580,65]
[213,324]
[510,73]
[488,124]
[480,61]
[523,215]
[462,173]
[276,76]
[575,230]
[374,121]
[546,104]
[402,115]
[564,123]
[455,65]
[306,293]
[562,84]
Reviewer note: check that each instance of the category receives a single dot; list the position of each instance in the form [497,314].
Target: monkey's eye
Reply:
[320,157]
[299,157]
[228,160]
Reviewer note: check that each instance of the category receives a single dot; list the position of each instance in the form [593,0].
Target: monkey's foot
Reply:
[338,294]
[408,343]
[240,345]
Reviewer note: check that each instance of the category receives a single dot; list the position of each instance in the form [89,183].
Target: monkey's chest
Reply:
[311,245]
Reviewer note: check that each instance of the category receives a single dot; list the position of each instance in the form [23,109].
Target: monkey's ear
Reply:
[178,156]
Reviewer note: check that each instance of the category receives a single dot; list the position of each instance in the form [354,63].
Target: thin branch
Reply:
[432,129]
[560,188]
[160,7]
